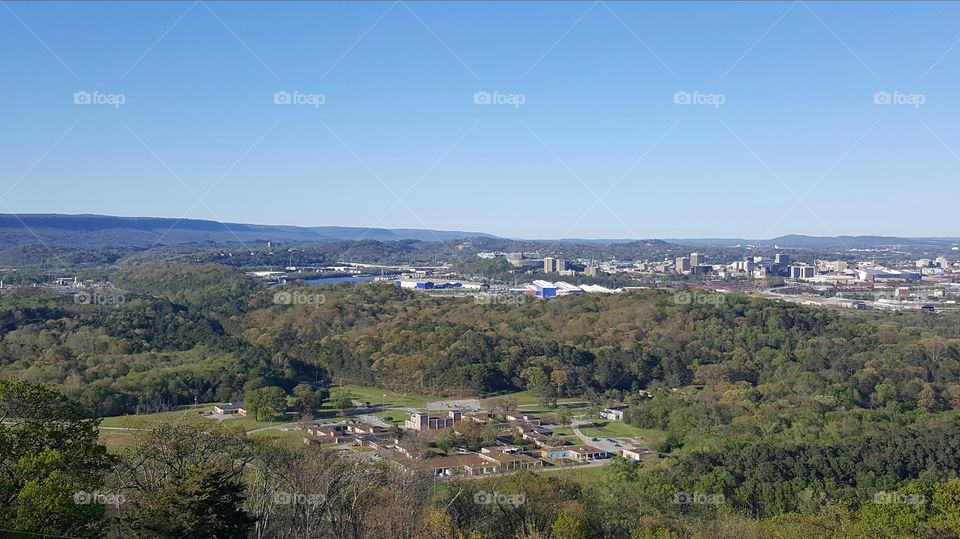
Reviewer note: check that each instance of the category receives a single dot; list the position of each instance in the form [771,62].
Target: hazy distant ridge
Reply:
[105,230]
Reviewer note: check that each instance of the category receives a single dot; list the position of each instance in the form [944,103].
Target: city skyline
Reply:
[584,120]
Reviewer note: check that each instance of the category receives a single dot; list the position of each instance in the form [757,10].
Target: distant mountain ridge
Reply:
[92,231]
[105,230]
[800,241]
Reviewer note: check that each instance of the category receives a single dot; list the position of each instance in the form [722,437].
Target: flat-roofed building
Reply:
[424,421]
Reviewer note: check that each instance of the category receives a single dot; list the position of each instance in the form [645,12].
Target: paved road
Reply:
[374,420]
[271,427]
[601,443]
[461,404]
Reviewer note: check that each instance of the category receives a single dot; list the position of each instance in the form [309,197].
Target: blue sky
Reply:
[614,119]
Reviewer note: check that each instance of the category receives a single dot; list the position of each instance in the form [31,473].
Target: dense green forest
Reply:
[797,416]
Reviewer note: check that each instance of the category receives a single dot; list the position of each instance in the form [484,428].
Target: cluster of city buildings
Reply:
[925,284]
[548,264]
[547,289]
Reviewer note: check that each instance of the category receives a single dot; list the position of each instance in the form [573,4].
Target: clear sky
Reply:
[617,120]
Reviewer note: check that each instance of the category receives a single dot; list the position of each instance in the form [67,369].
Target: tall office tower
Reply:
[549,264]
[782,259]
[683,264]
[697,259]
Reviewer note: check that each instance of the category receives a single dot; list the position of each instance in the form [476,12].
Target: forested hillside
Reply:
[788,412]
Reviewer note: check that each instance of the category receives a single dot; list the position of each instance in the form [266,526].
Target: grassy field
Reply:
[619,429]
[386,397]
[291,438]
[192,415]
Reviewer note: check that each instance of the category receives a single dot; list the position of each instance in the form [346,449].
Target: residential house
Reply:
[554,453]
[338,429]
[459,465]
[478,464]
[614,413]
[319,440]
[370,440]
[230,409]
[585,453]
[637,454]
[508,462]
[522,417]
[365,428]
[480,417]
[508,449]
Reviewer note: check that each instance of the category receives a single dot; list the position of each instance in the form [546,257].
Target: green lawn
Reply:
[579,474]
[528,398]
[386,397]
[291,439]
[190,416]
[619,429]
